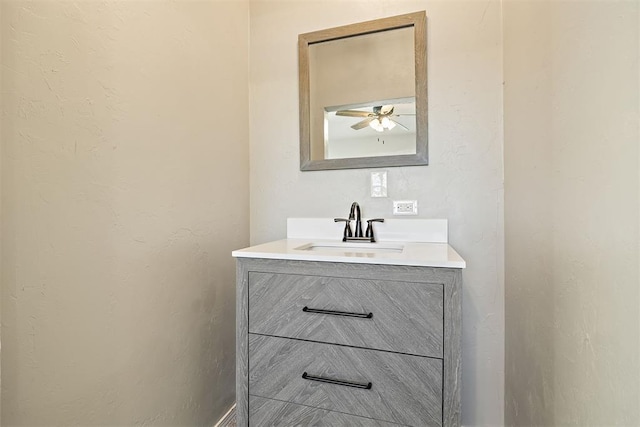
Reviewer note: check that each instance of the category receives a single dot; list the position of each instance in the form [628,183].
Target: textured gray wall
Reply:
[124,190]
[571,106]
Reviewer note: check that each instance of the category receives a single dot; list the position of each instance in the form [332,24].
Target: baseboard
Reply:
[227,419]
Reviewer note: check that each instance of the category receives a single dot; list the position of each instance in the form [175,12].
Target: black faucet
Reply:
[357,235]
[354,214]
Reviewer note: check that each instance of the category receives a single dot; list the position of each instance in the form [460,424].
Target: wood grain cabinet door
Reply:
[274,413]
[397,388]
[404,317]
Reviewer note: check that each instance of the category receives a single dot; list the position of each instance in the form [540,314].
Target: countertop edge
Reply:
[454,259]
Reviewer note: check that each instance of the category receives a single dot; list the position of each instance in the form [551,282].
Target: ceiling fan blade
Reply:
[353,113]
[400,124]
[386,110]
[363,124]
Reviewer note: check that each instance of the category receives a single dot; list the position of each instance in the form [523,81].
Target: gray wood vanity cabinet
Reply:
[342,344]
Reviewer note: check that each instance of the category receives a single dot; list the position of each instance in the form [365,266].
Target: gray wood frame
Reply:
[451,279]
[419,21]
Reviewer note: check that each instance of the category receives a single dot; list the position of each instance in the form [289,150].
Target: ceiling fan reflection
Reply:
[380,119]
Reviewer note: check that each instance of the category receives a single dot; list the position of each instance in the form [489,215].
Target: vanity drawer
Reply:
[406,317]
[274,413]
[404,389]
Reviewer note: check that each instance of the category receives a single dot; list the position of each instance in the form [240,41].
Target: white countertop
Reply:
[416,242]
[407,253]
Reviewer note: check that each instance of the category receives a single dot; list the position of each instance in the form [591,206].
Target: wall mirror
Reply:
[363,95]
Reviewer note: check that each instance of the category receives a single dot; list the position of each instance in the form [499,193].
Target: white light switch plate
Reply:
[379,184]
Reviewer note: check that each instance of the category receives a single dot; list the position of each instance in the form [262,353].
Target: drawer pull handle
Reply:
[338,313]
[366,386]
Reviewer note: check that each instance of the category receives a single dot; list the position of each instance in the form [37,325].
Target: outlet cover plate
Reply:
[405,207]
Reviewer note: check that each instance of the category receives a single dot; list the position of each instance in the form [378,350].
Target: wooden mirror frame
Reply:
[418,21]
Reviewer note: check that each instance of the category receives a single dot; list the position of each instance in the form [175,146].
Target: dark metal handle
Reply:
[347,227]
[338,313]
[366,386]
[369,232]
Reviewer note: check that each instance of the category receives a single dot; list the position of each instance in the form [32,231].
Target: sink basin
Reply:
[352,248]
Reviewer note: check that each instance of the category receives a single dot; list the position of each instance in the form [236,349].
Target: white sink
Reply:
[352,248]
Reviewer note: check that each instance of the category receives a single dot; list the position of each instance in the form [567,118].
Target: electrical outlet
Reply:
[405,207]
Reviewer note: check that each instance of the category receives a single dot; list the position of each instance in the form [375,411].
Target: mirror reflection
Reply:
[377,128]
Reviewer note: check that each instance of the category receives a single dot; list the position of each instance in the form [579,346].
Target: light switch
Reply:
[379,184]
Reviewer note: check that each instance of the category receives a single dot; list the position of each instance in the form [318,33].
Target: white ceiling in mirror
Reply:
[373,129]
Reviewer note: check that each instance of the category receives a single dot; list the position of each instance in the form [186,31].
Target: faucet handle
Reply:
[347,228]
[369,232]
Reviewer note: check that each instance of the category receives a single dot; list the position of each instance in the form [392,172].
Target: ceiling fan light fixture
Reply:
[387,123]
[376,124]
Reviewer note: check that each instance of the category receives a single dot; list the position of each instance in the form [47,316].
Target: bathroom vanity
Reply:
[349,334]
